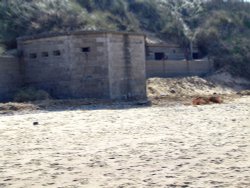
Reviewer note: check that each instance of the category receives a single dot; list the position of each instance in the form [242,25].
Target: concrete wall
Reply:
[127,72]
[52,73]
[90,65]
[10,78]
[177,68]
[89,69]
[171,52]
[80,71]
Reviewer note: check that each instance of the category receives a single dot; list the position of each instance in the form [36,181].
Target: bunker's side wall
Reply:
[46,65]
[127,73]
[66,66]
[167,68]
[10,78]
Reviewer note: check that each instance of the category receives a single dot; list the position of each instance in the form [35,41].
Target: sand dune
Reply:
[167,146]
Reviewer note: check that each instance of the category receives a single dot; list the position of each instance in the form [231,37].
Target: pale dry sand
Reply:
[167,146]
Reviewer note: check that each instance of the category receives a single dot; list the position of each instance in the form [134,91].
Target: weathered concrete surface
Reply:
[10,77]
[50,73]
[90,65]
[127,72]
[167,68]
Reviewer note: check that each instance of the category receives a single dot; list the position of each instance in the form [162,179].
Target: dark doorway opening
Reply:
[195,55]
[159,56]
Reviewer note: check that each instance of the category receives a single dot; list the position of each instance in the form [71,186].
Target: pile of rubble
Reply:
[185,87]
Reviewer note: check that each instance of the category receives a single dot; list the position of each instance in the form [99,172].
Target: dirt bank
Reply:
[164,90]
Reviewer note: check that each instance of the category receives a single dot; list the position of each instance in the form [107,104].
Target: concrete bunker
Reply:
[86,64]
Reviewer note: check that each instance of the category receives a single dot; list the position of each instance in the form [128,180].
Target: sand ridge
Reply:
[166,146]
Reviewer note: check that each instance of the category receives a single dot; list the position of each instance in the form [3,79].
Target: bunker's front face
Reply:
[181,146]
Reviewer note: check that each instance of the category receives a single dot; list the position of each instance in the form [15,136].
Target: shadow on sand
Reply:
[69,105]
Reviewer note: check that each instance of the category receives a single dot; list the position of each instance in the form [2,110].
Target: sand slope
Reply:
[181,87]
[169,146]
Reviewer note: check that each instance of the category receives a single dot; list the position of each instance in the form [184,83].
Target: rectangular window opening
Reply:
[195,55]
[56,53]
[86,49]
[159,56]
[33,56]
[45,54]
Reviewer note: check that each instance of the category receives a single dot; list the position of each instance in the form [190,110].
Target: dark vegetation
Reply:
[31,94]
[220,28]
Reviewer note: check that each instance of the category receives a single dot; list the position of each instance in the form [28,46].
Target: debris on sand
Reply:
[13,107]
[215,99]
[200,101]
[207,100]
[36,123]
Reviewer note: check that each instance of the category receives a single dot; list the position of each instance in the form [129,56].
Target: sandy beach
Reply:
[159,146]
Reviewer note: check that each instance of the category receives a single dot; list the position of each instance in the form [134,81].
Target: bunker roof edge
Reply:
[57,34]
